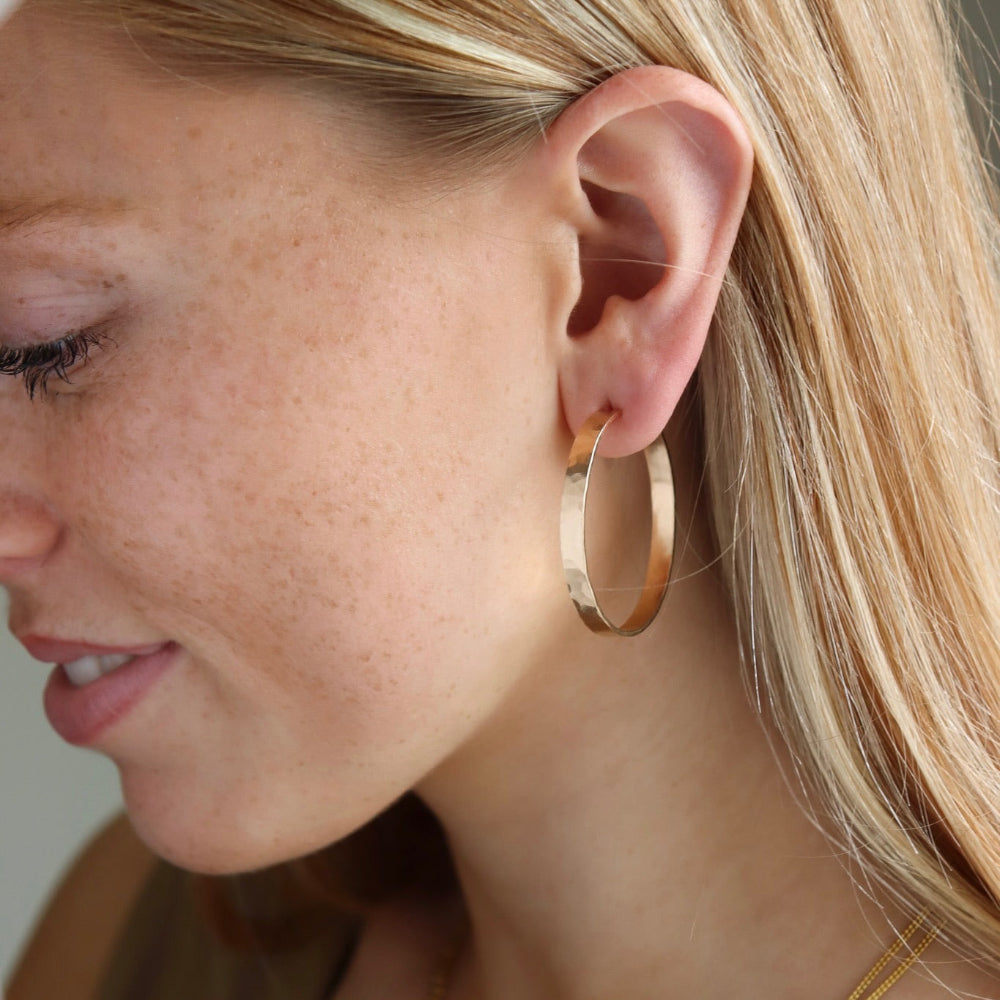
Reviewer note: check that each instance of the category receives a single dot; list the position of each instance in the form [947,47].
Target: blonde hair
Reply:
[849,391]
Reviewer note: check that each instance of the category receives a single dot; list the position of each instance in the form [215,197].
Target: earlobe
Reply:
[659,165]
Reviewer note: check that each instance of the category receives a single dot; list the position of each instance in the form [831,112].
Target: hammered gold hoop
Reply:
[572,530]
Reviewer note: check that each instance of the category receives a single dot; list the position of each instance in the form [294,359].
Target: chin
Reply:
[233,839]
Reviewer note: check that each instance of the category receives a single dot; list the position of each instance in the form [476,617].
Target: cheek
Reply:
[309,486]
[223,493]
[333,503]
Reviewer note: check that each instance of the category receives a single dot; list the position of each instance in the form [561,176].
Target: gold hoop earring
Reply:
[573,521]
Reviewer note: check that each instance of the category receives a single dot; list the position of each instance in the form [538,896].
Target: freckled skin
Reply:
[320,458]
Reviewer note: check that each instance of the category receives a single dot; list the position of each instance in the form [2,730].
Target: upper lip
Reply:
[50,650]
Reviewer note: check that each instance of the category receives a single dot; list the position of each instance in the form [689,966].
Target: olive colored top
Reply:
[167,952]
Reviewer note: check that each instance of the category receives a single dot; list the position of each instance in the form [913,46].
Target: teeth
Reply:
[85,671]
[109,663]
[88,669]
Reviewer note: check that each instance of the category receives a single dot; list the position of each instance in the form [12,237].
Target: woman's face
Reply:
[314,445]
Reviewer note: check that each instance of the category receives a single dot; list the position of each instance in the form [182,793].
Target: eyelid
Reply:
[36,307]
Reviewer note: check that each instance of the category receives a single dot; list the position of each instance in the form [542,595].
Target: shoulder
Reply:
[73,941]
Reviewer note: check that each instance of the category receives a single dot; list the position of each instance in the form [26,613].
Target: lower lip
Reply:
[81,714]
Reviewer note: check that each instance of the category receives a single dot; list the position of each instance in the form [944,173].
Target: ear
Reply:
[657,167]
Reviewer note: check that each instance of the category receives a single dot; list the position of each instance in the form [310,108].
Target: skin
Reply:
[254,346]
[324,455]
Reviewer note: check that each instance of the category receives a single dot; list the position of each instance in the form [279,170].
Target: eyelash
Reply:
[40,362]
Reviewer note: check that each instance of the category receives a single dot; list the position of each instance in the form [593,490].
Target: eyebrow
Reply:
[19,214]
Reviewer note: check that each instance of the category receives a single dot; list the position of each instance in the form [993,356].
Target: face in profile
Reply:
[287,416]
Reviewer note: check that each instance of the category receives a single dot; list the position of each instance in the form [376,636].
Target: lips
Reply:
[60,651]
[84,662]
[81,713]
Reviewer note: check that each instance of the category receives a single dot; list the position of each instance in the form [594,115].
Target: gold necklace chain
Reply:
[440,983]
[914,952]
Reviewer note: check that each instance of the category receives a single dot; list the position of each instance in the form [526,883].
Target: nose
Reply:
[29,527]
[28,534]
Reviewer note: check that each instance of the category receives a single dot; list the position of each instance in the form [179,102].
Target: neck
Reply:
[622,828]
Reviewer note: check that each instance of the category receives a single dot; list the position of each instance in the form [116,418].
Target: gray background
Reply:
[53,797]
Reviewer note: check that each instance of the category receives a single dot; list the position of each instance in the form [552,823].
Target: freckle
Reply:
[194,132]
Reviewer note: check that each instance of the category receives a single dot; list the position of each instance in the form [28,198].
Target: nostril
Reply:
[28,533]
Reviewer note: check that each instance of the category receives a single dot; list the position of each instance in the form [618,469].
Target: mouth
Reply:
[85,662]
[92,689]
